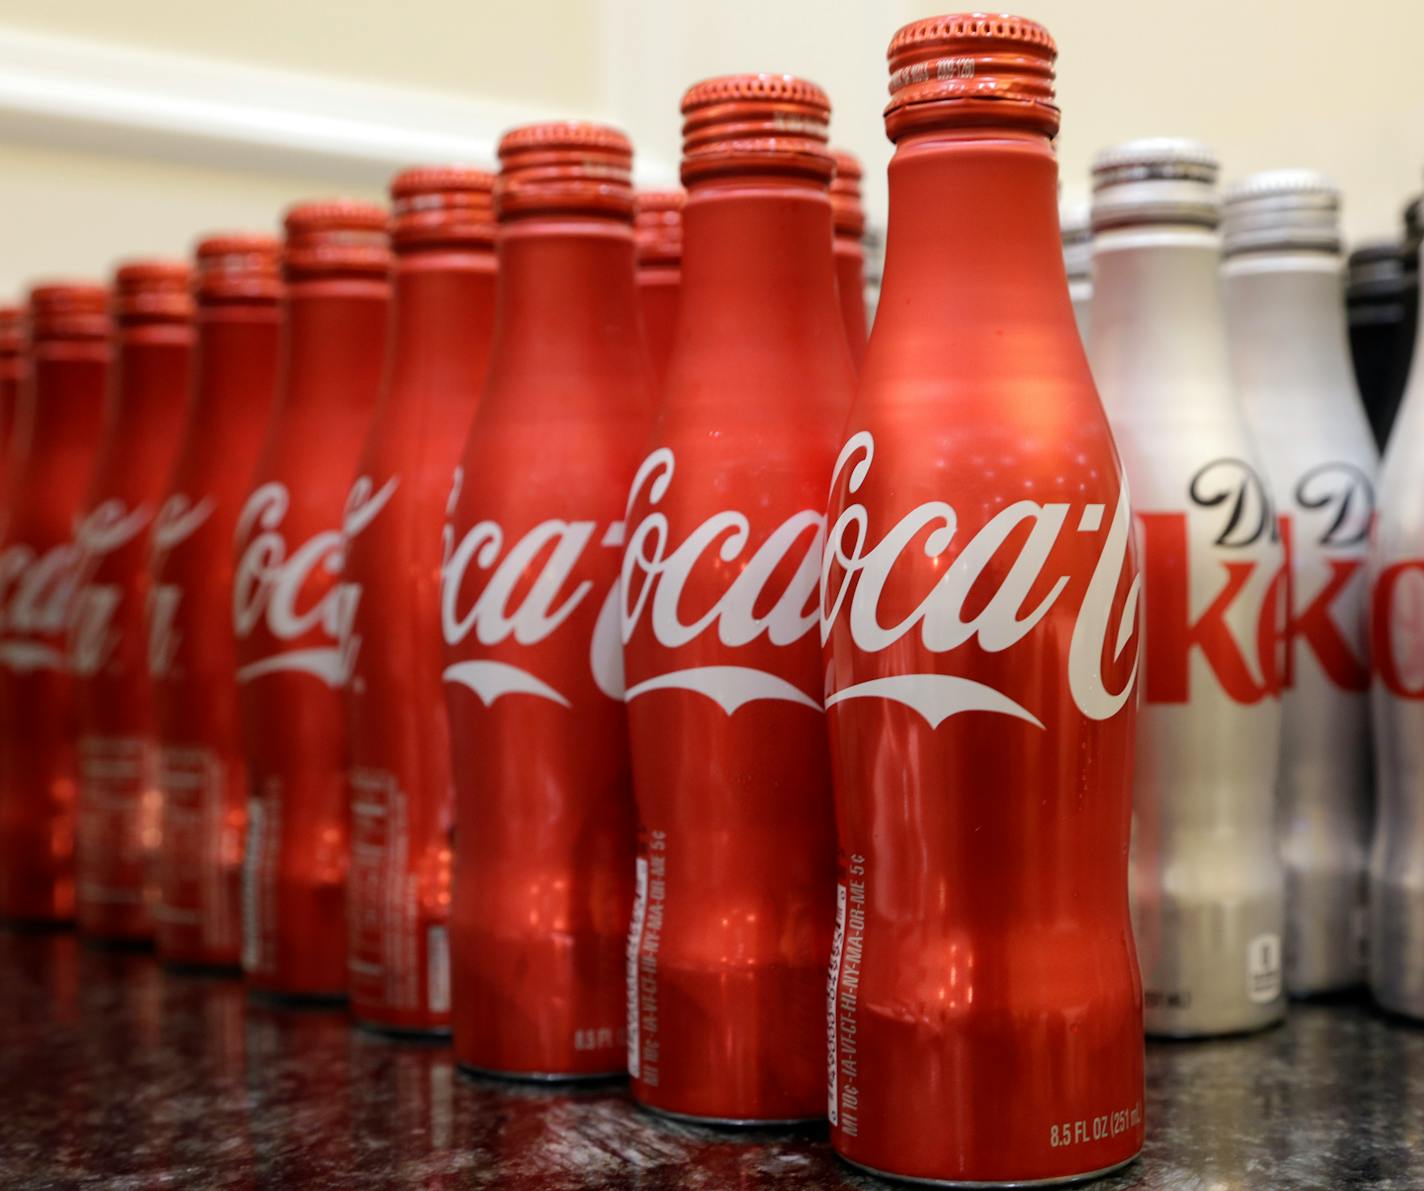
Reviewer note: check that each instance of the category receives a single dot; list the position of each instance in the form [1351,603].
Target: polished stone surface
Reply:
[117,1074]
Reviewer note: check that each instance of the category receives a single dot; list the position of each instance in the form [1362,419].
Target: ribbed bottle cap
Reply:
[238,267]
[1076,227]
[564,167]
[1155,180]
[657,226]
[336,236]
[971,69]
[1281,209]
[12,330]
[153,291]
[1376,271]
[760,123]
[845,196]
[443,205]
[69,310]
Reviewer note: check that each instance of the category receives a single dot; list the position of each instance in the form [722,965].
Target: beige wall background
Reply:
[130,128]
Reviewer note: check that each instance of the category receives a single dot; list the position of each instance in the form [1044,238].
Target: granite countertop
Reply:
[115,1073]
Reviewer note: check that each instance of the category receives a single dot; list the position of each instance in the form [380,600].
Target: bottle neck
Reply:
[333,345]
[566,316]
[62,402]
[441,321]
[1158,335]
[759,276]
[1290,350]
[972,245]
[234,367]
[150,383]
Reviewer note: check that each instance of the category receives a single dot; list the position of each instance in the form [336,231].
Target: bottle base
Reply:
[1208,1033]
[36,926]
[433,1034]
[207,969]
[728,1122]
[541,1077]
[1063,1180]
[115,943]
[296,1000]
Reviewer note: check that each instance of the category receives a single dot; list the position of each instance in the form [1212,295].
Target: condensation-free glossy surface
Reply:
[120,1075]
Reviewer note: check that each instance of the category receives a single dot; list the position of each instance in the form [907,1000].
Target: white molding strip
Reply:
[107,98]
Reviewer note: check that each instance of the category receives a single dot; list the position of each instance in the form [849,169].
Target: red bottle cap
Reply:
[971,69]
[12,330]
[564,167]
[442,205]
[69,310]
[845,196]
[336,237]
[238,267]
[153,291]
[657,226]
[756,123]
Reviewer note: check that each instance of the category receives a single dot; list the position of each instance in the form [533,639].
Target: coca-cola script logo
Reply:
[93,638]
[655,574]
[268,584]
[544,603]
[1247,533]
[178,519]
[864,569]
[37,598]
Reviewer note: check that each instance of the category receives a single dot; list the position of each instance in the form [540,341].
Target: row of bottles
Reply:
[536,612]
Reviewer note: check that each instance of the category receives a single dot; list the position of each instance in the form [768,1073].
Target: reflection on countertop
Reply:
[119,1074]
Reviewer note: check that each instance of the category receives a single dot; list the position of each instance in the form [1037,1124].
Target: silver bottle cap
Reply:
[1281,209]
[1155,180]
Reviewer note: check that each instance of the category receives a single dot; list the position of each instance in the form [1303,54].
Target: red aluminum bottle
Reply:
[533,674]
[402,800]
[736,860]
[850,250]
[289,612]
[980,603]
[657,224]
[13,367]
[116,852]
[191,652]
[57,435]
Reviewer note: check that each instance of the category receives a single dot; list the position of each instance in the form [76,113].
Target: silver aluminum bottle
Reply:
[1397,706]
[1076,229]
[1206,880]
[1282,280]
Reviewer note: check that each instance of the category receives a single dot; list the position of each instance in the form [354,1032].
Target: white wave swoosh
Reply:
[489,680]
[325,663]
[936,697]
[27,656]
[730,687]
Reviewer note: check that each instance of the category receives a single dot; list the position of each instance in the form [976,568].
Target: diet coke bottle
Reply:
[657,224]
[1077,232]
[736,852]
[979,596]
[850,249]
[116,857]
[1290,356]
[57,435]
[192,659]
[1396,930]
[289,612]
[529,611]
[1207,884]
[14,365]
[402,800]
